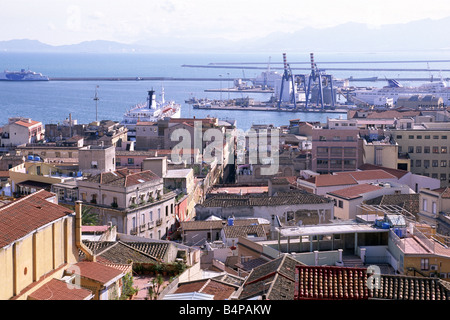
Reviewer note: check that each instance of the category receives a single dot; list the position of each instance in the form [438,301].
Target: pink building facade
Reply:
[336,148]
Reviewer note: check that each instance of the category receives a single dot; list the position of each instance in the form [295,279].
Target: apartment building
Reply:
[96,159]
[427,145]
[336,146]
[134,202]
[21,130]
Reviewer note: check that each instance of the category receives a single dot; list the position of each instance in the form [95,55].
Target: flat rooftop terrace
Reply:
[327,229]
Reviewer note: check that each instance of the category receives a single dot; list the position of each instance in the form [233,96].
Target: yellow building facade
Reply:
[37,248]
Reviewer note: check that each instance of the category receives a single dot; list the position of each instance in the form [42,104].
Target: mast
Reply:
[96,98]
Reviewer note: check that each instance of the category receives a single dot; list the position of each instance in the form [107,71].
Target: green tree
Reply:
[88,218]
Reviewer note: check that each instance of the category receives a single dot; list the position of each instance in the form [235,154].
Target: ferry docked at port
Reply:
[152,111]
[22,75]
[394,90]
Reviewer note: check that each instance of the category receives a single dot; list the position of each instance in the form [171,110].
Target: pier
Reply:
[135,79]
[270,108]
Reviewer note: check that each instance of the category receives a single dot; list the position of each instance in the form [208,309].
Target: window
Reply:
[349,152]
[341,204]
[418,163]
[130,160]
[410,149]
[349,162]
[424,264]
[322,150]
[426,149]
[434,175]
[434,163]
[427,137]
[443,176]
[411,136]
[433,207]
[443,149]
[426,163]
[424,204]
[435,137]
[443,137]
[419,137]
[399,136]
[336,138]
[335,162]
[322,138]
[336,151]
[435,149]
[418,149]
[443,163]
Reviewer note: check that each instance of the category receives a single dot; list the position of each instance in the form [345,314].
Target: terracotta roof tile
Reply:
[20,217]
[341,283]
[94,271]
[27,124]
[219,289]
[57,289]
[275,279]
[355,191]
[123,177]
[328,180]
[118,252]
[330,283]
[244,231]
[253,200]
[396,172]
[367,175]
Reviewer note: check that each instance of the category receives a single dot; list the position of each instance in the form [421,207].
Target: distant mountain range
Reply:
[421,35]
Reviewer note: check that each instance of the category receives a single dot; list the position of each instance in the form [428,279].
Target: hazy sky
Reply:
[59,22]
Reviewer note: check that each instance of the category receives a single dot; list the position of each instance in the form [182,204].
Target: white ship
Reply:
[152,111]
[395,90]
[267,79]
[22,75]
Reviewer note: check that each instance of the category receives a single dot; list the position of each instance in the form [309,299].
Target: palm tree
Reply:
[88,218]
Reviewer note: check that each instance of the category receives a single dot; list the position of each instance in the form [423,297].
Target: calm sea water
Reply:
[53,101]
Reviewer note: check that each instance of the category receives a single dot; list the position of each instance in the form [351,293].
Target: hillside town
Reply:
[350,209]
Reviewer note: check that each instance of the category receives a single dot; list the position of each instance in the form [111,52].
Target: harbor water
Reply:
[53,101]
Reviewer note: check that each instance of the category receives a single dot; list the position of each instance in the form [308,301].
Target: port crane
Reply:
[288,80]
[318,77]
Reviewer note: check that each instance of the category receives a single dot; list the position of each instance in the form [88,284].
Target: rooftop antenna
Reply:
[96,98]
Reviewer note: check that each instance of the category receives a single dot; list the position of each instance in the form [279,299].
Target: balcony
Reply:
[150,225]
[134,231]
[159,222]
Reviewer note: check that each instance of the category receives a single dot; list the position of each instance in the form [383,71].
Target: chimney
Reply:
[79,243]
